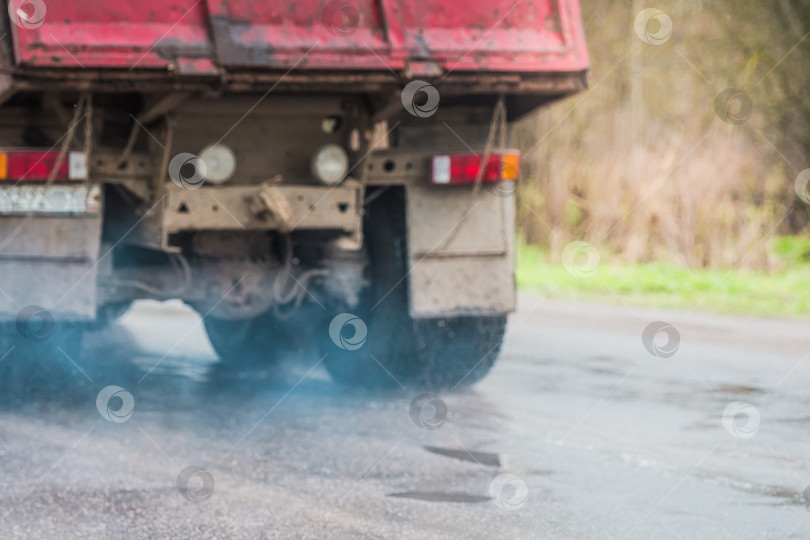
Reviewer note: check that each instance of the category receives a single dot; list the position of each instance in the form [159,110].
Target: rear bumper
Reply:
[235,208]
[241,208]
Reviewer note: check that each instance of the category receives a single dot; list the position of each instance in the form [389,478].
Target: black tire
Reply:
[399,350]
[245,342]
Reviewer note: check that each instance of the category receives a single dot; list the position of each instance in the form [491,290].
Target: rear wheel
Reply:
[253,341]
[396,348]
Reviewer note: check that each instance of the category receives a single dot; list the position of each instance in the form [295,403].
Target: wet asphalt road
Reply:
[601,439]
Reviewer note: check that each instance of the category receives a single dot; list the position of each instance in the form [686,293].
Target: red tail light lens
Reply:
[36,166]
[464,168]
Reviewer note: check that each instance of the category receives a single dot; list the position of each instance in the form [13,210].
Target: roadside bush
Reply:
[643,166]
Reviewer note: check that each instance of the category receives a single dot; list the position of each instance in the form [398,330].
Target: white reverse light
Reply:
[219,161]
[330,164]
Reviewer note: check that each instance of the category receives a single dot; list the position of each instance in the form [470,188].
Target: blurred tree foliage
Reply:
[775,39]
[642,164]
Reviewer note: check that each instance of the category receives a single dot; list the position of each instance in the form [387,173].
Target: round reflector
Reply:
[330,164]
[220,163]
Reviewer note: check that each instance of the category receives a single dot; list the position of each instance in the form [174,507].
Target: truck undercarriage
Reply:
[272,197]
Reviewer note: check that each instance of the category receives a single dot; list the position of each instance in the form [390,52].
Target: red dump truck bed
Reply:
[525,45]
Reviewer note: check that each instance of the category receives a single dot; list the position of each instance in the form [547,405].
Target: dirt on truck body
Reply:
[347,160]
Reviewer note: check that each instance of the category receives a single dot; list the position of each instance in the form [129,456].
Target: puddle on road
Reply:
[489,459]
[483,458]
[738,389]
[440,496]
[604,371]
[785,495]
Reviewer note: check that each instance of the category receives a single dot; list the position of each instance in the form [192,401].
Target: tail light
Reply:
[465,168]
[36,166]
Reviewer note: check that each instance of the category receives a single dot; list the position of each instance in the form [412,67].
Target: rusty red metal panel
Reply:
[310,34]
[497,35]
[198,36]
[493,35]
[114,34]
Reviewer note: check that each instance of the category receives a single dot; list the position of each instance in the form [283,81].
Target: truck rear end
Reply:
[340,168]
